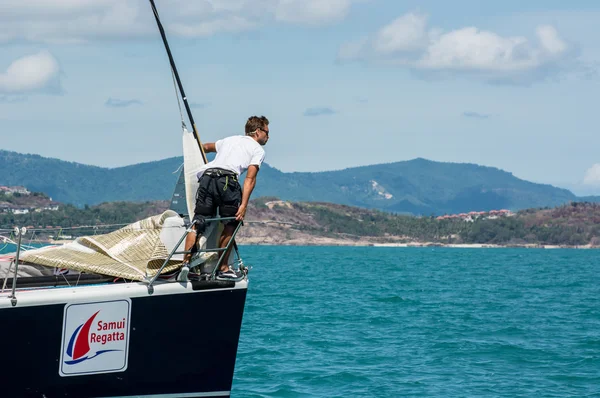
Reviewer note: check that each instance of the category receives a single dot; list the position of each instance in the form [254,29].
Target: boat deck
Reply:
[30,281]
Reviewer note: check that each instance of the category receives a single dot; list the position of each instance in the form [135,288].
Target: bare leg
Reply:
[190,241]
[223,242]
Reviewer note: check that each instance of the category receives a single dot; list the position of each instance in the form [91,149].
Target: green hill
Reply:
[81,184]
[416,186]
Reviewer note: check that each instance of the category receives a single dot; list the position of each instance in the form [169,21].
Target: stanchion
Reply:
[19,232]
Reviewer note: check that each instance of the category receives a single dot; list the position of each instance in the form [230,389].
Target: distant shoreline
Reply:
[336,243]
[324,241]
[366,242]
[483,246]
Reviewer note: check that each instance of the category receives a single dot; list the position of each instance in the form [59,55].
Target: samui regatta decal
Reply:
[95,338]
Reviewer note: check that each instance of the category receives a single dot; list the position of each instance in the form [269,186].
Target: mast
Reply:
[174,69]
[180,187]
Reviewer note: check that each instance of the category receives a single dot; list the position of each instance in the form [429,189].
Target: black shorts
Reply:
[219,189]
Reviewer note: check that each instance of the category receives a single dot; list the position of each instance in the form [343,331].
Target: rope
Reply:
[178,100]
[66,280]
[179,168]
[61,229]
[6,239]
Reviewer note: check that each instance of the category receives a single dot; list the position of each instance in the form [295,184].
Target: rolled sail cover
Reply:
[135,252]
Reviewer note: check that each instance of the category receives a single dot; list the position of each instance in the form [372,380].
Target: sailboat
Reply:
[123,320]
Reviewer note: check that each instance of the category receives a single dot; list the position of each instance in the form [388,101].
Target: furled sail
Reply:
[136,251]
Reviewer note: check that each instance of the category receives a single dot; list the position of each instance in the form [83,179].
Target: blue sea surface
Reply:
[396,322]
[9,248]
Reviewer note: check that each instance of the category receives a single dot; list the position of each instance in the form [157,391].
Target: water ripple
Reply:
[443,322]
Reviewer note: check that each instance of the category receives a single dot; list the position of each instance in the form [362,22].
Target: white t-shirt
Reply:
[235,154]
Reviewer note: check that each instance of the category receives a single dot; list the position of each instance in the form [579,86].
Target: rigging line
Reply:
[32,237]
[181,165]
[9,241]
[65,278]
[178,101]
[174,71]
[5,239]
[78,227]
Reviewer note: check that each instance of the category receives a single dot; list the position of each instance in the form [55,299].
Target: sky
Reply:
[344,83]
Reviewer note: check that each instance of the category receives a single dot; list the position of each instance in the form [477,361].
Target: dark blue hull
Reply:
[180,345]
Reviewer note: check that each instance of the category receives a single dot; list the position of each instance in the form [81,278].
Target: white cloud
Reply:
[408,42]
[405,34]
[592,175]
[312,11]
[33,73]
[550,40]
[74,21]
[67,20]
[232,24]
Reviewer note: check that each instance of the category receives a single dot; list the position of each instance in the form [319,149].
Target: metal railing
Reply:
[222,250]
[19,233]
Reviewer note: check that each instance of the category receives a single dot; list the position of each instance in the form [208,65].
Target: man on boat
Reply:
[219,186]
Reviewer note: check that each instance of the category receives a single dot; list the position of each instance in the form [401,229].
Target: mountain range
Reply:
[417,186]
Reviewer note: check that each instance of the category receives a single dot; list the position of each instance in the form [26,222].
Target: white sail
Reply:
[192,162]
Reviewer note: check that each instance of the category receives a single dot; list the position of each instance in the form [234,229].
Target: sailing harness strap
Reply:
[218,173]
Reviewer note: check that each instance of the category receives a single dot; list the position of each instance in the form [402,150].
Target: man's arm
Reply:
[209,147]
[249,184]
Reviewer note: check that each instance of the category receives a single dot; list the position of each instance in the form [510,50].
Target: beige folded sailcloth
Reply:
[138,250]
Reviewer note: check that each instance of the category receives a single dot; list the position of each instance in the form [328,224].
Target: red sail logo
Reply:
[79,343]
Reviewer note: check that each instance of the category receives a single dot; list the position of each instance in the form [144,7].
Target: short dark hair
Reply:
[256,122]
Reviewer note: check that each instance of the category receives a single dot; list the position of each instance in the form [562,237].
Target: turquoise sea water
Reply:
[395,322]
[6,248]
